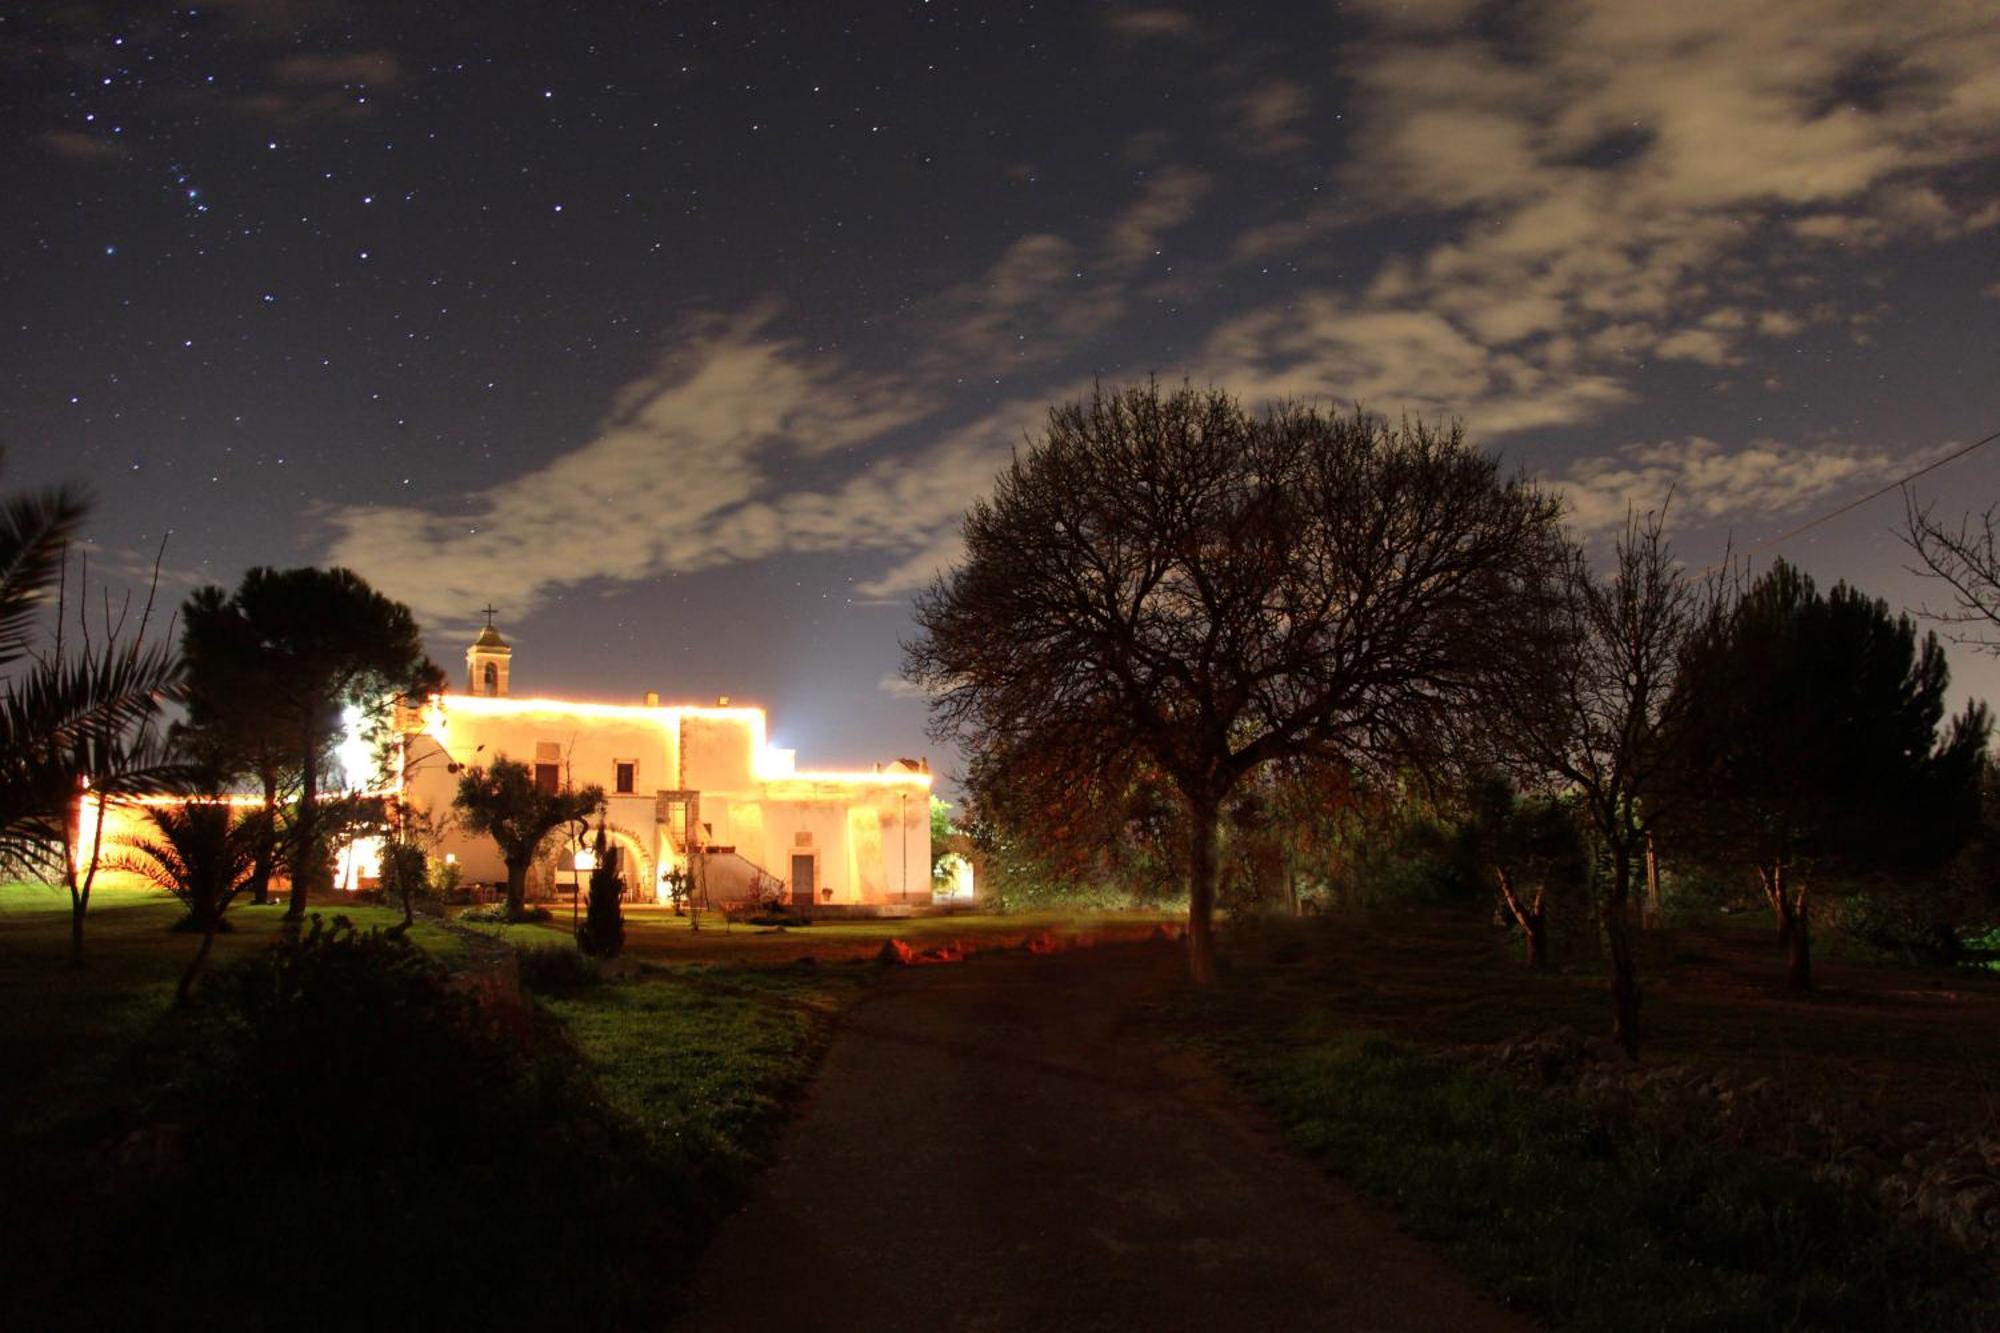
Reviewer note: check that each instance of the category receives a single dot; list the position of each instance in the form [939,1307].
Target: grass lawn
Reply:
[656,935]
[1350,1031]
[706,1059]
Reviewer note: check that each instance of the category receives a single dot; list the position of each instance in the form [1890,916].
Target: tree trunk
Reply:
[1533,924]
[1204,868]
[1624,978]
[1772,877]
[517,889]
[1654,909]
[186,987]
[267,850]
[81,879]
[305,863]
[1798,962]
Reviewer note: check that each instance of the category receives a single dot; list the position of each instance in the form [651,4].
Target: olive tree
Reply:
[502,802]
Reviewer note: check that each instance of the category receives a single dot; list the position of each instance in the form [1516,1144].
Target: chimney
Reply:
[652,698]
[722,701]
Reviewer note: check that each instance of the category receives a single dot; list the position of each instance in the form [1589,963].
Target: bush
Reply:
[398,1154]
[556,969]
[495,914]
[1901,925]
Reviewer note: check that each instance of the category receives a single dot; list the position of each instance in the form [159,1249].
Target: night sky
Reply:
[683,332]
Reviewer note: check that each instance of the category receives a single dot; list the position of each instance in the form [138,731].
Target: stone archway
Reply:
[636,864]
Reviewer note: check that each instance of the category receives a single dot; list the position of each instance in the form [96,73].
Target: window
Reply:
[548,778]
[490,674]
[625,777]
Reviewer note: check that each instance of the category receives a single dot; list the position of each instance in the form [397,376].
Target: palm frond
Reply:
[34,529]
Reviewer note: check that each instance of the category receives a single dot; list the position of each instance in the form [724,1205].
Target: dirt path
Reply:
[1005,1145]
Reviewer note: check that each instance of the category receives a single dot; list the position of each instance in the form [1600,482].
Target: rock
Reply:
[894,953]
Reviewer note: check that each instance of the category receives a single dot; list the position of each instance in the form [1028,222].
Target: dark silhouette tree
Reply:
[231,728]
[503,803]
[1966,560]
[603,931]
[1163,574]
[1597,719]
[1812,743]
[291,648]
[204,853]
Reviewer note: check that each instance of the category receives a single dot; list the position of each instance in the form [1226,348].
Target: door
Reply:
[803,887]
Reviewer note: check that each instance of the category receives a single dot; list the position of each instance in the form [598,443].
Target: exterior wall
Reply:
[719,753]
[751,798]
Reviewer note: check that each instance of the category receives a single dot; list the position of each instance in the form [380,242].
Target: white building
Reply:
[686,787]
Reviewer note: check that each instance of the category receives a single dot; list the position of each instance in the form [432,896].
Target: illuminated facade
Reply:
[686,787]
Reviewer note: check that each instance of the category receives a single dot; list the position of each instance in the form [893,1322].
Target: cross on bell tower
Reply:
[486,661]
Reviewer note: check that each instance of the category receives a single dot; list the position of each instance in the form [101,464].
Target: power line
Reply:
[1875,494]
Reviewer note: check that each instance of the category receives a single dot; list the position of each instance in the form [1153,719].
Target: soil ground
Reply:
[1017,1143]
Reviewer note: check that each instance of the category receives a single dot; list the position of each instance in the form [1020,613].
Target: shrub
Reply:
[399,1157]
[603,931]
[1901,925]
[495,914]
[556,969]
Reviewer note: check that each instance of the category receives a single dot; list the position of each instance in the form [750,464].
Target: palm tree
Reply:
[74,721]
[204,854]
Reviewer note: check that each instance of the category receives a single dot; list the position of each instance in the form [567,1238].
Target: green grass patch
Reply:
[705,1060]
[1587,1226]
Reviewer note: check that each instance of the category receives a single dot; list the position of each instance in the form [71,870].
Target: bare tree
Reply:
[1163,575]
[1597,720]
[1966,559]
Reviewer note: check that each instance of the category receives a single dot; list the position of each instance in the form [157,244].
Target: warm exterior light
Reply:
[769,764]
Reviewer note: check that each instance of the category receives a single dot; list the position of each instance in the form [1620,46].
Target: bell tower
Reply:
[486,662]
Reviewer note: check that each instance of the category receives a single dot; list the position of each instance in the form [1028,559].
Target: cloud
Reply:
[1168,200]
[1393,359]
[719,456]
[78,147]
[686,472]
[901,689]
[1152,22]
[1271,112]
[944,550]
[1711,482]
[374,69]
[1046,294]
[1578,219]
[1706,346]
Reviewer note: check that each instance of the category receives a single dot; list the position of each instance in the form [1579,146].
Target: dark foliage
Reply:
[275,661]
[556,969]
[602,933]
[1814,744]
[1165,577]
[341,1138]
[1596,719]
